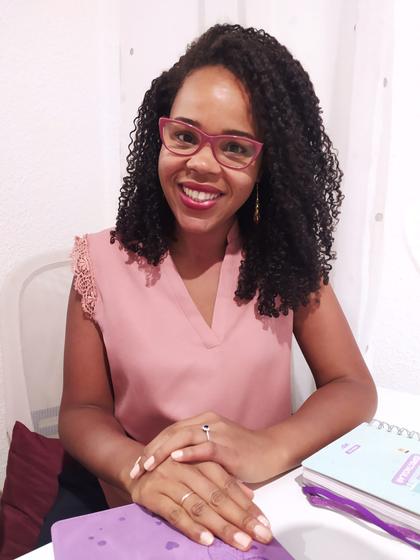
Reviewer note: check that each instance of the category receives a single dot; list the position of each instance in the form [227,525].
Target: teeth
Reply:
[199,196]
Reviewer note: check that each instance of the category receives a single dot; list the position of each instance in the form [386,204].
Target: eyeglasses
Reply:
[182,139]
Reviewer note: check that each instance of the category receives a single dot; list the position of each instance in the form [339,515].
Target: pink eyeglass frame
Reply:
[210,139]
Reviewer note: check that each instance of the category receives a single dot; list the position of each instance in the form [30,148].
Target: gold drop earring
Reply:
[257,207]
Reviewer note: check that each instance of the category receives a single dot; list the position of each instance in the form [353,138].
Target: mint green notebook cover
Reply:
[381,463]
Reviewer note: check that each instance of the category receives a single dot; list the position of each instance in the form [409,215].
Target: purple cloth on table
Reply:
[131,532]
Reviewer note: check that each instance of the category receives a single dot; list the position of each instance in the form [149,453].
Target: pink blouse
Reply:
[166,363]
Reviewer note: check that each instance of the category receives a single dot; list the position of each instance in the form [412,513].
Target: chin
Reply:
[200,225]
[195,225]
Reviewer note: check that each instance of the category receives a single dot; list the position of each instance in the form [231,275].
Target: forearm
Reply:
[94,437]
[329,412]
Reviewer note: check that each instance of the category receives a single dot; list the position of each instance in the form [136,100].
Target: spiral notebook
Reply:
[376,465]
[133,533]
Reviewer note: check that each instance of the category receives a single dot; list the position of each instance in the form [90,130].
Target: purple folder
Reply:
[133,533]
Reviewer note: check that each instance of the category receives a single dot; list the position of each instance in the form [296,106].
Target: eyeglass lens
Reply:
[185,140]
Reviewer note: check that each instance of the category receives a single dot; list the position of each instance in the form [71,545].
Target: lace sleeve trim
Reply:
[84,282]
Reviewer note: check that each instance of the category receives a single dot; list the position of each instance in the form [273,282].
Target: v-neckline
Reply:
[210,335]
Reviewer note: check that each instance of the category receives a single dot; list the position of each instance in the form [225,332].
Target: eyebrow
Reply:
[229,131]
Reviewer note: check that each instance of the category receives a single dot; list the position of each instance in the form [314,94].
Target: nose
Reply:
[204,161]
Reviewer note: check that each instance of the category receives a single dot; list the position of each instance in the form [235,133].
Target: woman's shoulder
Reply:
[100,238]
[97,244]
[101,251]
[96,262]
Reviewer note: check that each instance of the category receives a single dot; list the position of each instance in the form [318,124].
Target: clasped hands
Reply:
[195,482]
[243,453]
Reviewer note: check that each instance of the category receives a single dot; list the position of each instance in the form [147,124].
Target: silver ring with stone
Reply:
[206,430]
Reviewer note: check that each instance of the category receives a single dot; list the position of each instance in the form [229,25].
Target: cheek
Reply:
[243,186]
[168,167]
[162,165]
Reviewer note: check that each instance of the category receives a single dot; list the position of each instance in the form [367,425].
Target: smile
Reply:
[199,196]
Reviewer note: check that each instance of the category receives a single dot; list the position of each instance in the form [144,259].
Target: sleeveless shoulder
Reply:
[84,280]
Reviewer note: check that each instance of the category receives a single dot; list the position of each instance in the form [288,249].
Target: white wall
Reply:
[153,37]
[395,355]
[74,72]
[59,133]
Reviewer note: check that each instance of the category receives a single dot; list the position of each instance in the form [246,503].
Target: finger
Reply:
[177,516]
[158,441]
[246,489]
[229,512]
[208,451]
[201,521]
[204,514]
[177,438]
[169,431]
[234,489]
[148,462]
[135,471]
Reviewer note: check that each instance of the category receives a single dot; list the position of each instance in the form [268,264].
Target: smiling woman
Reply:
[213,175]
[180,319]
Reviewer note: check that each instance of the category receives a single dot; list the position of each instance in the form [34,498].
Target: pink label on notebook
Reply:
[133,533]
[410,467]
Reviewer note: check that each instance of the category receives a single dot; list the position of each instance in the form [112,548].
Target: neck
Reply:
[207,247]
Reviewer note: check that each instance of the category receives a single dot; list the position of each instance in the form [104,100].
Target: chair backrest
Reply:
[302,381]
[32,327]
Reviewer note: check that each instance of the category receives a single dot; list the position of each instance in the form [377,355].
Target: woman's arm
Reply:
[88,429]
[345,395]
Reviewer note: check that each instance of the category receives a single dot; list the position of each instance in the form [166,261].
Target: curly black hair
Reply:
[287,254]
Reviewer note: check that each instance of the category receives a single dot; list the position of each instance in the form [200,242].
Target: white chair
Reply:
[32,325]
[302,381]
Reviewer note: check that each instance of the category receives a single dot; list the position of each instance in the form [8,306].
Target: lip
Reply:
[192,204]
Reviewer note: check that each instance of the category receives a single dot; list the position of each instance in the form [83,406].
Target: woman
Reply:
[177,355]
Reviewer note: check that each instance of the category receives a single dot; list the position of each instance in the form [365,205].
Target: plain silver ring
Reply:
[206,430]
[185,496]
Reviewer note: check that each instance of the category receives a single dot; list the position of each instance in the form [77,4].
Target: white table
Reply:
[310,533]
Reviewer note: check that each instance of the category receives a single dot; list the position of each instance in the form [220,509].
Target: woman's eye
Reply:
[186,137]
[235,148]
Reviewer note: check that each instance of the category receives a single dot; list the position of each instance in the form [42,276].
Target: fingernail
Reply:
[206,538]
[264,520]
[242,539]
[177,455]
[147,464]
[135,471]
[262,532]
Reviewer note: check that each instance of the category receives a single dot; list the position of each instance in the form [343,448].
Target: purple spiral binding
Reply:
[322,497]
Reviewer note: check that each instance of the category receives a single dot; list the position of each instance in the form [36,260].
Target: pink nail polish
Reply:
[242,539]
[264,520]
[135,471]
[263,533]
[177,454]
[206,538]
[150,461]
